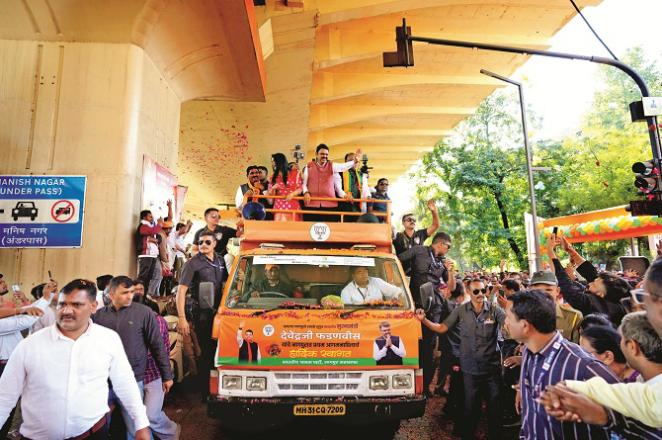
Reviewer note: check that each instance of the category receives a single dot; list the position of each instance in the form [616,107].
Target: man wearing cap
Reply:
[567,318]
[271,282]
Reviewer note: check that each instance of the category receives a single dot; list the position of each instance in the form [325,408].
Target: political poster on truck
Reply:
[308,339]
[41,211]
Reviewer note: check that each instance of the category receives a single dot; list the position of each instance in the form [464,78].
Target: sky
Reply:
[560,91]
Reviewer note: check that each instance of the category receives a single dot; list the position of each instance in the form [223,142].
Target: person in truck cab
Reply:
[364,288]
[271,282]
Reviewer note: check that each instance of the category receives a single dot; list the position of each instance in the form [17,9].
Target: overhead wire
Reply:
[593,30]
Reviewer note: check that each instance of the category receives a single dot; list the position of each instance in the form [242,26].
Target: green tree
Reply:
[477,177]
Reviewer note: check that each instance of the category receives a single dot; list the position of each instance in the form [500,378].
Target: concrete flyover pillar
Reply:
[87,109]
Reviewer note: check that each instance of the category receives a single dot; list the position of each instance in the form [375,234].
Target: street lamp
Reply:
[529,168]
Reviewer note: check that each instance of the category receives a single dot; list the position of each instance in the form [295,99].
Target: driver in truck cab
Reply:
[271,282]
[363,288]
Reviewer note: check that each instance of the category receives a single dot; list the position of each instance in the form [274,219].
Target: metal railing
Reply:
[385,215]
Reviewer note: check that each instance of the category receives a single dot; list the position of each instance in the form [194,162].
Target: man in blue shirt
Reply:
[548,358]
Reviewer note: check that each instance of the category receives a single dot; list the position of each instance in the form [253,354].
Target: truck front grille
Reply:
[316,384]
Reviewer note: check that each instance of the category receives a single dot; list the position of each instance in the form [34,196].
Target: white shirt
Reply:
[100,302]
[239,198]
[170,248]
[377,289]
[337,182]
[378,354]
[179,240]
[45,320]
[11,327]
[63,383]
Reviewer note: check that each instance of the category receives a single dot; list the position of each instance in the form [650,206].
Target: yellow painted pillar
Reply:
[87,109]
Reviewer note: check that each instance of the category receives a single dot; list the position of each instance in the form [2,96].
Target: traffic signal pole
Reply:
[404,39]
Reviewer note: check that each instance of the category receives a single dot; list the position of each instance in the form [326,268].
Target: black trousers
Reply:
[455,403]
[5,428]
[510,378]
[204,321]
[350,207]
[476,388]
[426,351]
[321,217]
[145,269]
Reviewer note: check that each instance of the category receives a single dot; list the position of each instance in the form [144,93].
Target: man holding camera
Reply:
[321,178]
[411,236]
[429,264]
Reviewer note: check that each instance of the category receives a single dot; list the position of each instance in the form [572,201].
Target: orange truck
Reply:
[316,320]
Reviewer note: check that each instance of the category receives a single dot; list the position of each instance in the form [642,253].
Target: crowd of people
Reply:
[566,352]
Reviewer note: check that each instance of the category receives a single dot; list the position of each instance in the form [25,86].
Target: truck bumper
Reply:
[265,413]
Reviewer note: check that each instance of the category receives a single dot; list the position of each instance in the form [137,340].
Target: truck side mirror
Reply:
[427,295]
[206,295]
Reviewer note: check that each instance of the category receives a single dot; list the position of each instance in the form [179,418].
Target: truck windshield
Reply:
[317,282]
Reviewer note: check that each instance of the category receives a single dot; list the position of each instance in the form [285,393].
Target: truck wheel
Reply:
[15,218]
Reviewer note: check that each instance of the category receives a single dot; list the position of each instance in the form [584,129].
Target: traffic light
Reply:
[647,177]
[404,57]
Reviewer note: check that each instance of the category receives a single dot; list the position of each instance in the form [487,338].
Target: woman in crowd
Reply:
[604,343]
[285,182]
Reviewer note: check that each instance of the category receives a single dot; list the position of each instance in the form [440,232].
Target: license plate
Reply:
[319,410]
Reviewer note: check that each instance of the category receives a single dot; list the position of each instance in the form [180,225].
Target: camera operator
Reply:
[429,264]
[411,236]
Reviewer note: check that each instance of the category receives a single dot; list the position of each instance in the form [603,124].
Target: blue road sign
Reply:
[41,211]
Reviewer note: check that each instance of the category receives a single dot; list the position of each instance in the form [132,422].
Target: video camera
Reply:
[365,168]
[297,154]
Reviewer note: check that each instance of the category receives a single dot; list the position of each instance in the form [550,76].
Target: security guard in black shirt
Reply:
[206,266]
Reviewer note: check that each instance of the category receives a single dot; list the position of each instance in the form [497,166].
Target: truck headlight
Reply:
[256,383]
[401,381]
[379,382]
[232,382]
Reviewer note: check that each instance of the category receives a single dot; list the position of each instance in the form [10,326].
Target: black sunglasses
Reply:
[201,242]
[477,291]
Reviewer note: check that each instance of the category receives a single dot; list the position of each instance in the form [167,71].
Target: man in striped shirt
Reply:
[548,359]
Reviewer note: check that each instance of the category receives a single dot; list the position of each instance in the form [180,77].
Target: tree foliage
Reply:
[479,174]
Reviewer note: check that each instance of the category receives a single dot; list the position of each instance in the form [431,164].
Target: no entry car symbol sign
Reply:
[62,211]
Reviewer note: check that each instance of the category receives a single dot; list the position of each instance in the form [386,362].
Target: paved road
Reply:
[187,408]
